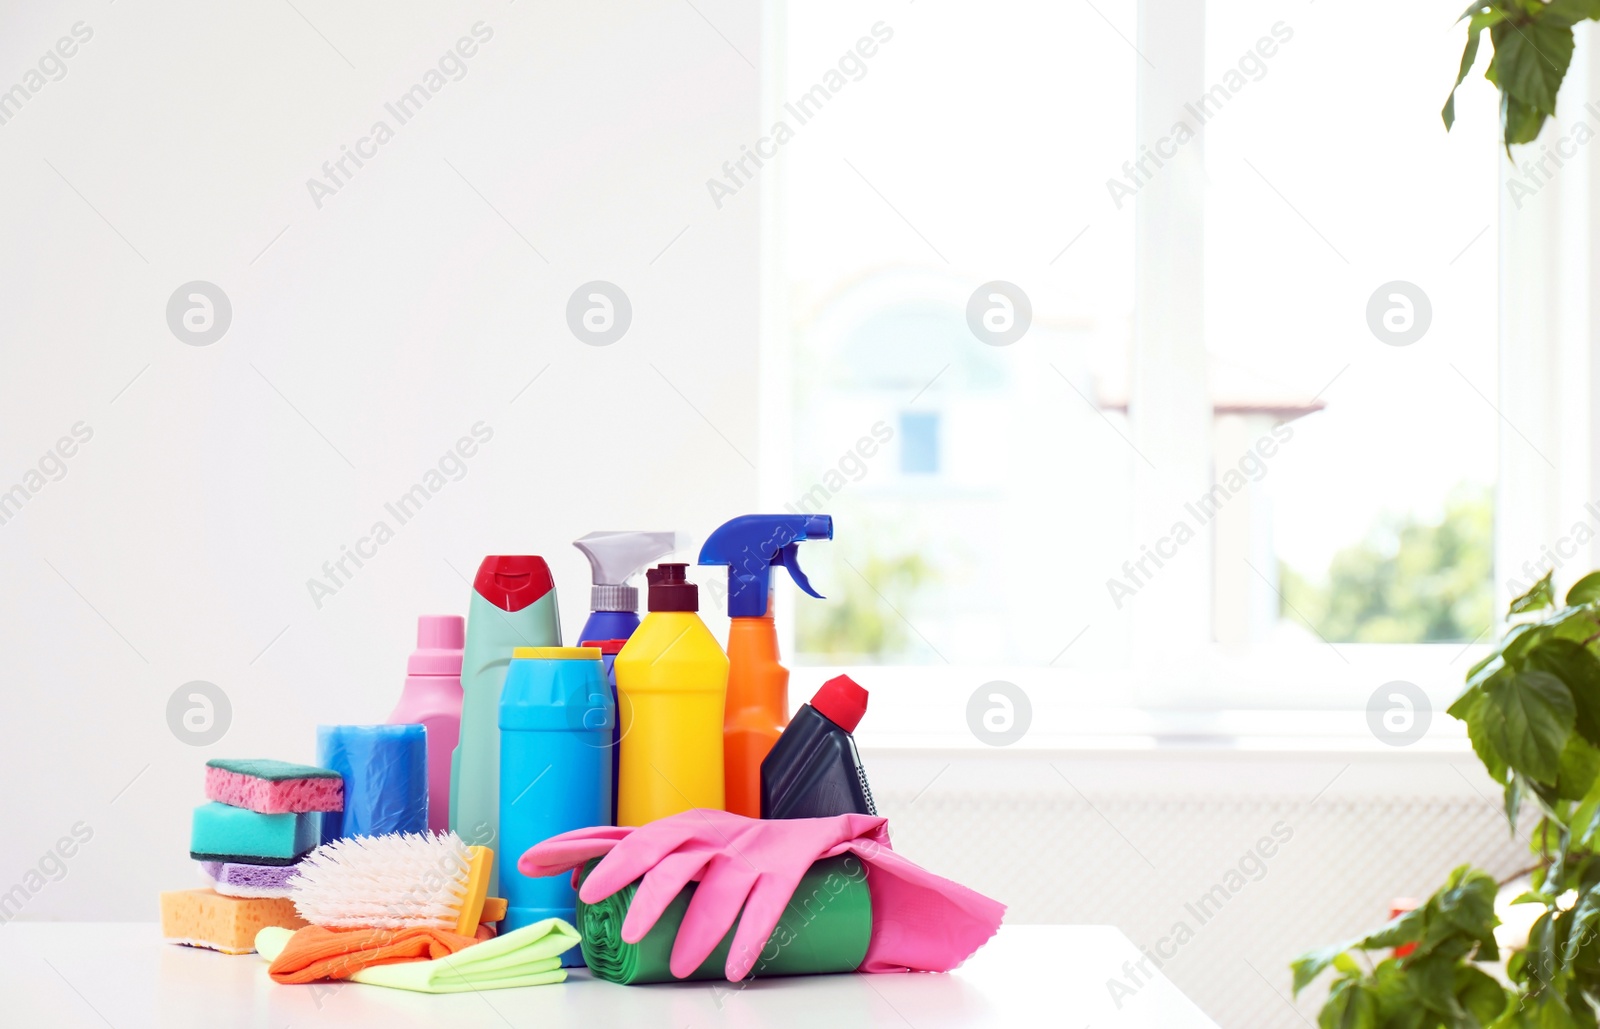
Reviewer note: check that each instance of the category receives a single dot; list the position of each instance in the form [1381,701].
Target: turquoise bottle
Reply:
[513,605]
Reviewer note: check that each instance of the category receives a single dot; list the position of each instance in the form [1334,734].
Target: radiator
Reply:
[1222,866]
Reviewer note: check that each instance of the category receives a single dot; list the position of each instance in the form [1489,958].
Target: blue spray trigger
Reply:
[751,544]
[790,557]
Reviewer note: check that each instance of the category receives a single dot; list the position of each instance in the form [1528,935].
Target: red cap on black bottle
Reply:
[671,590]
[841,702]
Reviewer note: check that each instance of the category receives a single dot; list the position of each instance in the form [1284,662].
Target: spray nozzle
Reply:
[615,557]
[751,544]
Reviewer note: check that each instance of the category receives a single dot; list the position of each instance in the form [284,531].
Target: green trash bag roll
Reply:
[825,928]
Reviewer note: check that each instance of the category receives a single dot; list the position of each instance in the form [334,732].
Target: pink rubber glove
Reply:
[920,921]
[747,864]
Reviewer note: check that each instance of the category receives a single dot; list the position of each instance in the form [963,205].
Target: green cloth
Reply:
[530,956]
[826,928]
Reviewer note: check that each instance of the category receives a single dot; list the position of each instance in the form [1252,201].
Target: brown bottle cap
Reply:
[671,590]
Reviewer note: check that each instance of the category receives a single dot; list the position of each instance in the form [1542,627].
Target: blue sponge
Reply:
[223,833]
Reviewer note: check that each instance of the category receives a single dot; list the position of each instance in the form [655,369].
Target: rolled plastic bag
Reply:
[385,770]
[825,928]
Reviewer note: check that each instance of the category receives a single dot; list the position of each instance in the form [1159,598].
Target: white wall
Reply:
[367,336]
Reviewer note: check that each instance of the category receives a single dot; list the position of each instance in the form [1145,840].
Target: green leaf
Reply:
[1540,595]
[1407,927]
[1311,964]
[1580,765]
[1529,716]
[1351,1005]
[1433,979]
[1521,122]
[1530,62]
[1587,589]
[1579,670]
[1533,897]
[1542,965]
[1481,995]
[1468,57]
[1513,801]
[1481,670]
[1567,13]
[1585,921]
[1466,905]
[1469,709]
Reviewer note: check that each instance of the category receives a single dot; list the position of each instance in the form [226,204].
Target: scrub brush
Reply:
[398,881]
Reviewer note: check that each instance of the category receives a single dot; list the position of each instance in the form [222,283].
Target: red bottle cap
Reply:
[606,646]
[841,702]
[512,583]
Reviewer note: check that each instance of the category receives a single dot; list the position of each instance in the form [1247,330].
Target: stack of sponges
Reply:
[262,818]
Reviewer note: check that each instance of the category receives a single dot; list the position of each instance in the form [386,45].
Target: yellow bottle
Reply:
[672,681]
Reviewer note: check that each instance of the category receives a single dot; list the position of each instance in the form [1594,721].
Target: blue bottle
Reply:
[556,718]
[609,649]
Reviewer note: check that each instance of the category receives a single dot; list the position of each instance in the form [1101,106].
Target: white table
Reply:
[121,974]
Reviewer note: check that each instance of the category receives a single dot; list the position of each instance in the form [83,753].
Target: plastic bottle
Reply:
[513,605]
[614,558]
[431,698]
[758,685]
[814,770]
[609,649]
[672,678]
[556,717]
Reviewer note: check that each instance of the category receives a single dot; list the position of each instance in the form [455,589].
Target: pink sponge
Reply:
[273,787]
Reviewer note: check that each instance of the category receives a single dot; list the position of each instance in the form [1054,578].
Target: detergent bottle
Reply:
[758,685]
[672,677]
[513,605]
[609,649]
[556,716]
[432,698]
[814,770]
[614,558]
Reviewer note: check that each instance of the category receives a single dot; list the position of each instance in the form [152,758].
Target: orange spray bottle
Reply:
[757,707]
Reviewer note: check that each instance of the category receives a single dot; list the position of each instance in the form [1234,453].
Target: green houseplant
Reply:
[1532,711]
[1532,42]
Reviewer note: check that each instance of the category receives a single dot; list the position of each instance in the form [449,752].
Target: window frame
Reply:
[1547,329]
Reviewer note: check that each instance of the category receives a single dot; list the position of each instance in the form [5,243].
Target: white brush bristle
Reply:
[383,882]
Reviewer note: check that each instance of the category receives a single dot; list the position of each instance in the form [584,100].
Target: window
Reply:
[1266,497]
[919,443]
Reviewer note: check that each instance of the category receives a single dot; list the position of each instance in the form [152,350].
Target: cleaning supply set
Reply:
[638,762]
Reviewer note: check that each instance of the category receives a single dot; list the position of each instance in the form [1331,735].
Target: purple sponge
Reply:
[239,880]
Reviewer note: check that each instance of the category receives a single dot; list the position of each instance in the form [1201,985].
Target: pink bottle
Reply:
[432,698]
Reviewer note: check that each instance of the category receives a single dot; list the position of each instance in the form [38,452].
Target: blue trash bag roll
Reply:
[385,770]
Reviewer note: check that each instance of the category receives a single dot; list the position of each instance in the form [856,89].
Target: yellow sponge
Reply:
[206,918]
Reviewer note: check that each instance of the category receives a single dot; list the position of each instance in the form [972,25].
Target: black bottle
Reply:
[814,770]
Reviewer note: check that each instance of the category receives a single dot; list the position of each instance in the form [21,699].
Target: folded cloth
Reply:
[317,952]
[748,868]
[530,956]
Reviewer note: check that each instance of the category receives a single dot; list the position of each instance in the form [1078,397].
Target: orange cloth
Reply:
[316,952]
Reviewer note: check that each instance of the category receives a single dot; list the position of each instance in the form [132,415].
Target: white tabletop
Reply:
[121,974]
